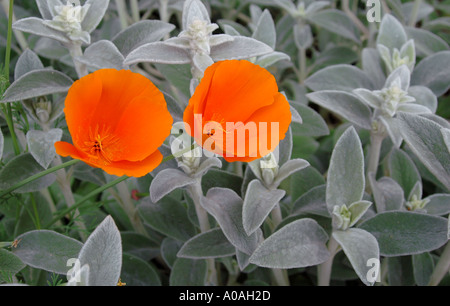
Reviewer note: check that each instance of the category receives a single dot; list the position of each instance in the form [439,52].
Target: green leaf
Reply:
[28,61]
[339,77]
[211,244]
[20,168]
[434,73]
[2,144]
[345,184]
[47,250]
[360,247]
[423,268]
[425,139]
[344,104]
[258,203]
[219,178]
[406,233]
[168,217]
[37,83]
[139,246]
[301,243]
[391,33]
[102,251]
[334,21]
[140,33]
[9,263]
[169,250]
[226,207]
[188,272]
[137,272]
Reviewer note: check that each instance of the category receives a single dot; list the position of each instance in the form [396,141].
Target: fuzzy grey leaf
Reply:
[158,52]
[28,61]
[240,48]
[36,26]
[42,145]
[168,180]
[94,15]
[211,244]
[102,54]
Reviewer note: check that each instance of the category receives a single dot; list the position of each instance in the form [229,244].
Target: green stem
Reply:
[84,199]
[354,18]
[130,208]
[303,66]
[324,269]
[442,267]
[8,116]
[135,14]
[20,38]
[76,51]
[38,176]
[414,13]
[35,210]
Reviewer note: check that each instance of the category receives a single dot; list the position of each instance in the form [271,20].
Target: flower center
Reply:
[98,147]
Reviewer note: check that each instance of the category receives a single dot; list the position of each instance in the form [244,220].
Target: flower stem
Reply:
[302,63]
[354,18]
[442,267]
[196,193]
[324,269]
[122,12]
[35,210]
[135,10]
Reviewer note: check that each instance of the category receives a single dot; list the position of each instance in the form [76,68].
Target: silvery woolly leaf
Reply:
[206,165]
[194,10]
[240,48]
[140,33]
[413,108]
[426,43]
[229,30]
[211,244]
[339,77]
[265,30]
[36,26]
[219,39]
[102,54]
[47,250]
[298,244]
[434,73]
[37,83]
[42,145]
[391,127]
[344,104]
[226,207]
[409,50]
[345,184]
[44,9]
[439,204]
[359,246]
[303,36]
[202,61]
[258,203]
[357,210]
[425,139]
[369,98]
[28,61]
[391,33]
[288,168]
[336,22]
[424,96]
[94,15]
[271,58]
[287,5]
[316,6]
[2,143]
[188,272]
[312,202]
[168,180]
[158,52]
[401,74]
[446,135]
[103,253]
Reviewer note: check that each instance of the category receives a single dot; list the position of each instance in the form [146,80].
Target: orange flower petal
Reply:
[135,169]
[66,149]
[239,89]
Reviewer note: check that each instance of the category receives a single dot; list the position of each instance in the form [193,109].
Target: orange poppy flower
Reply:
[117,120]
[237,111]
